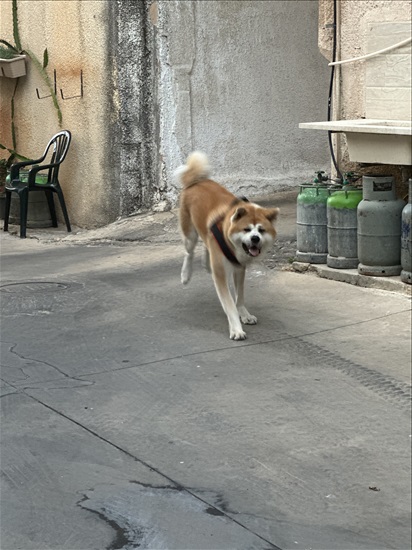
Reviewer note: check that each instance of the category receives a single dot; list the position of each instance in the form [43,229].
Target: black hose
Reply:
[332,76]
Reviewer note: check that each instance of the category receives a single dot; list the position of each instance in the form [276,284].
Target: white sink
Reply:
[371,140]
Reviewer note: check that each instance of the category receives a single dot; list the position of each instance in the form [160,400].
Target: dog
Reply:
[235,232]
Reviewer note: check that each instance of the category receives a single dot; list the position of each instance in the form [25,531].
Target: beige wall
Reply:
[355,28]
[263,76]
[74,32]
[90,35]
[358,33]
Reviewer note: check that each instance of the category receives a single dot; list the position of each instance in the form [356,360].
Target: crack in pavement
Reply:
[38,369]
[175,484]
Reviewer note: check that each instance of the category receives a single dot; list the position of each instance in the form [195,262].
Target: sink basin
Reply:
[372,141]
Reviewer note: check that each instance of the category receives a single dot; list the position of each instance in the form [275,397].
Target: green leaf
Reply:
[16,33]
[13,153]
[10,46]
[48,83]
[45,58]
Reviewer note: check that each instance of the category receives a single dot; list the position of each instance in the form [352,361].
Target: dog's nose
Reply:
[255,239]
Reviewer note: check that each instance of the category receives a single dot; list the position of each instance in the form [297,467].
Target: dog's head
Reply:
[250,229]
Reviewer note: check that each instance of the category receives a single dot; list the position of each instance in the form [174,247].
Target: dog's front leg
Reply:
[239,279]
[220,278]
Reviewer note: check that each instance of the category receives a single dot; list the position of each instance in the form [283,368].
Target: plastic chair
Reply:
[58,147]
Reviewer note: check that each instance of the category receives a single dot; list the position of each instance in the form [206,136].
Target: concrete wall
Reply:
[356,21]
[75,34]
[236,80]
[132,135]
[232,78]
[378,86]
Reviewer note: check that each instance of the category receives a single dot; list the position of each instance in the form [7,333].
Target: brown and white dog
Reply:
[235,232]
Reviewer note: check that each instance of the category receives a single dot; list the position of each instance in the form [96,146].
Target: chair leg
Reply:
[24,202]
[64,209]
[52,208]
[7,211]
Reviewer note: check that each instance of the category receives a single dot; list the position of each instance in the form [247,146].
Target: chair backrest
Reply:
[60,144]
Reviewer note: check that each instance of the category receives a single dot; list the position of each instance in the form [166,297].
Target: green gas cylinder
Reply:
[311,223]
[342,228]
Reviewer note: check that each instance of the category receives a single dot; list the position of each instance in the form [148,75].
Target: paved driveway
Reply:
[130,420]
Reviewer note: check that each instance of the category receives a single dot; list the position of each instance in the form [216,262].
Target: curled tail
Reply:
[196,169]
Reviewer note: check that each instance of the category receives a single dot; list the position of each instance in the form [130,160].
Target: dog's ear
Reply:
[239,213]
[271,213]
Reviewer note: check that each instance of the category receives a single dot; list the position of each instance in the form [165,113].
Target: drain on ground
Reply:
[28,287]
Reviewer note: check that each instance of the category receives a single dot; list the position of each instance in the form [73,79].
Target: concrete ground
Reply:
[130,420]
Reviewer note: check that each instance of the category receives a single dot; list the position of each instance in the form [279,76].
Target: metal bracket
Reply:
[55,88]
[61,91]
[81,89]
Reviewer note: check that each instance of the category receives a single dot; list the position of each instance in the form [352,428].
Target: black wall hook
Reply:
[55,88]
[81,89]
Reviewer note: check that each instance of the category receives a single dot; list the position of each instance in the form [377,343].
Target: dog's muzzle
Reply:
[253,249]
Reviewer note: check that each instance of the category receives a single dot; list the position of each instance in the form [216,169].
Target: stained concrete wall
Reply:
[357,21]
[75,35]
[233,78]
[236,80]
[363,27]
[132,135]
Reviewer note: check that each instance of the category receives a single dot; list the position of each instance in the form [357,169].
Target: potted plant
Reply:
[12,63]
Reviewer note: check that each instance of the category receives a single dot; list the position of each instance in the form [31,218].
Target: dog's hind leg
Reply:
[190,240]
[206,260]
[239,280]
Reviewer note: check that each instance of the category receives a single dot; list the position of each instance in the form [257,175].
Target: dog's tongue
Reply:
[254,251]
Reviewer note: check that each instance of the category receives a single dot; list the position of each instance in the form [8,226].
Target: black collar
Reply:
[218,235]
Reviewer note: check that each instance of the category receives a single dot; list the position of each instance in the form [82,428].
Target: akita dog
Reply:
[235,232]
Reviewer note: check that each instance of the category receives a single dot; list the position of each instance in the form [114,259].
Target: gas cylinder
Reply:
[379,227]
[341,209]
[406,240]
[311,224]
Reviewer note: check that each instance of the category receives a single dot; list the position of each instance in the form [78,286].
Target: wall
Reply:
[132,133]
[232,78]
[356,19]
[378,87]
[236,79]
[75,35]
[388,76]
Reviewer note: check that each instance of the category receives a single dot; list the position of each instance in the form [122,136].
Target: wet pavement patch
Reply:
[166,518]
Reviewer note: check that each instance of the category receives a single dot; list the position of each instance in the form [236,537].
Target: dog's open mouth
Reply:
[251,250]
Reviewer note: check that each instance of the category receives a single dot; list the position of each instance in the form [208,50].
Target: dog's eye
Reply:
[247,229]
[261,230]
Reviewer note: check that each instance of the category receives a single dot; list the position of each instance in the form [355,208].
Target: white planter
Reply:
[13,68]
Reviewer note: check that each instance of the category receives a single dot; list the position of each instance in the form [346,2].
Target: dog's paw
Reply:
[185,279]
[186,272]
[237,335]
[248,319]
[185,275]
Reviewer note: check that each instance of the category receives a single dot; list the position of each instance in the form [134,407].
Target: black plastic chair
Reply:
[58,147]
